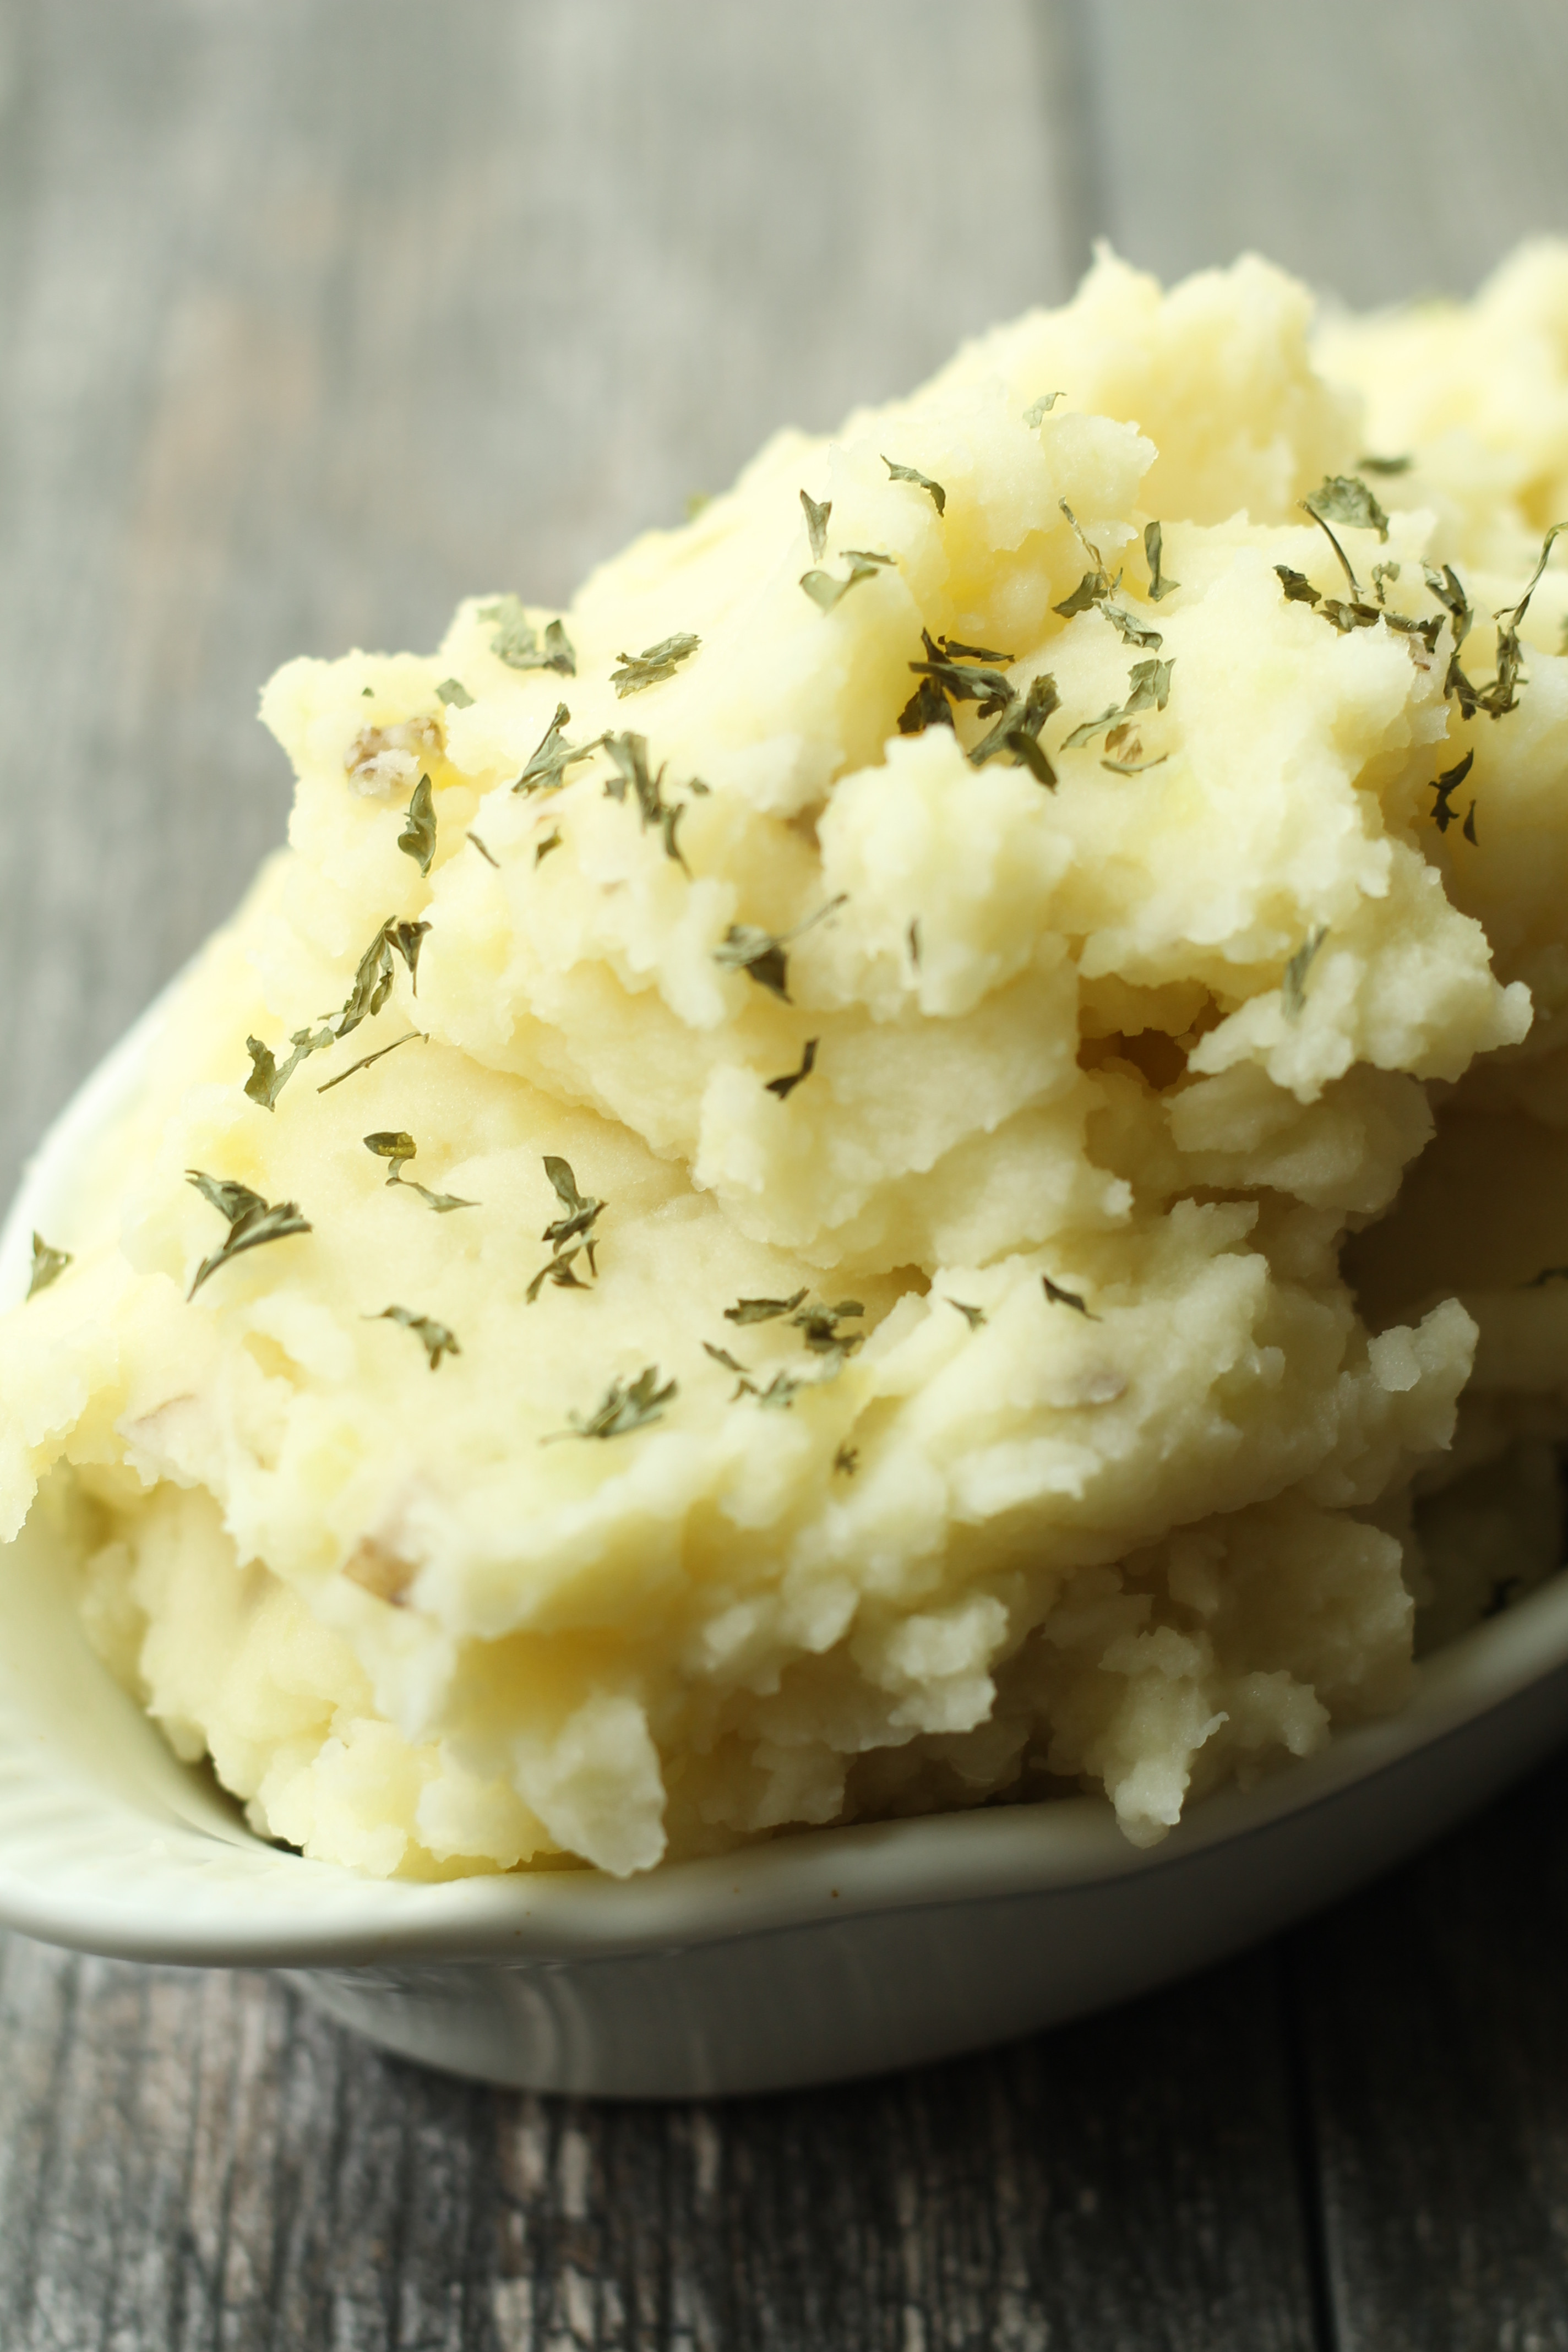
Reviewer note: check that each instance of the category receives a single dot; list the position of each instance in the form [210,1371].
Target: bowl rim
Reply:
[183,1904]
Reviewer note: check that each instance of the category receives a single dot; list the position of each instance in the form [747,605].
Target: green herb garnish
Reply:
[1501,694]
[582,1211]
[964,681]
[418,836]
[453,690]
[1548,1273]
[558,1270]
[391,1143]
[373,978]
[1096,584]
[1385,465]
[781,1391]
[365,1063]
[434,1337]
[268,1078]
[820,1325]
[394,1144]
[973,1316]
[1344,500]
[784,1088]
[653,665]
[548,763]
[372,984]
[1124,751]
[927,706]
[1131,630]
[827,591]
[251,1220]
[921,481]
[816,524]
[1293,987]
[1150,684]
[624,1406]
[543,848]
[1057,1296]
[848,1460]
[1153,547]
[761,954]
[48,1264]
[408,938]
[1445,786]
[629,754]
[762,1310]
[1018,731]
[1039,409]
[1298,589]
[484,853]
[516,644]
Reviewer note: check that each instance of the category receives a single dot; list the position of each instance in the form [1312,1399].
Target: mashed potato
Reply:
[787,1206]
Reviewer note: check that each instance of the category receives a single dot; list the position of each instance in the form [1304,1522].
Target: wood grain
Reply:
[203,2160]
[1436,2045]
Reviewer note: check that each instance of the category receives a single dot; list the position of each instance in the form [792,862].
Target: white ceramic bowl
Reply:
[835,1952]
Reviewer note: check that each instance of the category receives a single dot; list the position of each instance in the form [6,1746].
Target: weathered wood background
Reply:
[315,314]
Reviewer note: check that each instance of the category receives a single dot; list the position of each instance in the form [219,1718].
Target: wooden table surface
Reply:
[315,315]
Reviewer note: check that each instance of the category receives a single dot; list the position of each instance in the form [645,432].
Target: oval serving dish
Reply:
[822,1955]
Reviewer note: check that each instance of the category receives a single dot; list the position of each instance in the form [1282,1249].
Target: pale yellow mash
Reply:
[795,1161]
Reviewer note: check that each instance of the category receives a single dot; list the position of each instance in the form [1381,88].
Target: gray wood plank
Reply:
[1380,150]
[205,2161]
[319,317]
[1436,2049]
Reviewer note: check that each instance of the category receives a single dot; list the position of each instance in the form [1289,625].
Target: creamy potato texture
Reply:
[916,1154]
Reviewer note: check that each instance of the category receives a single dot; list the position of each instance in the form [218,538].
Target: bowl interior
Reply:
[109,1842]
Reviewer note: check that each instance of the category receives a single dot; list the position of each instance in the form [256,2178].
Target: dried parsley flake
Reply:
[1153,548]
[762,1310]
[268,1076]
[417,839]
[516,643]
[827,592]
[435,1338]
[1018,731]
[921,482]
[624,1406]
[1293,987]
[653,665]
[1096,584]
[761,954]
[48,1264]
[251,1220]
[396,1145]
[816,524]
[1445,786]
[365,1063]
[580,1211]
[553,755]
[1055,1296]
[784,1088]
